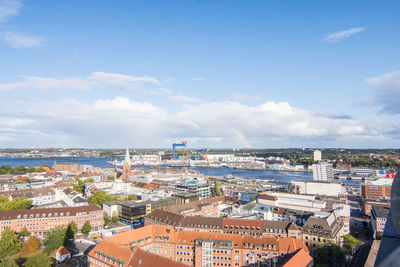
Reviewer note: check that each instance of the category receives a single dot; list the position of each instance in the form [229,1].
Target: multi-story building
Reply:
[322,171]
[317,155]
[40,221]
[210,207]
[191,186]
[378,220]
[265,228]
[315,187]
[323,230]
[379,189]
[133,213]
[68,167]
[39,197]
[369,203]
[198,248]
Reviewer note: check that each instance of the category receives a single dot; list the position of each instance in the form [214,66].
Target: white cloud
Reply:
[22,40]
[183,99]
[387,91]
[9,8]
[160,91]
[340,35]
[94,80]
[124,82]
[119,121]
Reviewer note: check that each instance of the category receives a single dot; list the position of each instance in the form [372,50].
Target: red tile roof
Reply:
[63,251]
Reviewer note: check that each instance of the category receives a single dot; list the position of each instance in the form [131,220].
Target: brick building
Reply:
[369,203]
[260,228]
[69,167]
[198,248]
[39,221]
[372,191]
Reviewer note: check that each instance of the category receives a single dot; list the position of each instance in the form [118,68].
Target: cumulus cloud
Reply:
[120,121]
[183,99]
[22,40]
[341,35]
[9,8]
[92,81]
[387,89]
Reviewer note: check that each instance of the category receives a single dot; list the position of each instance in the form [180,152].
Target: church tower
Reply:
[126,171]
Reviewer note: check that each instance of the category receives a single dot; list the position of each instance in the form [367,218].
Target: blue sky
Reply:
[215,73]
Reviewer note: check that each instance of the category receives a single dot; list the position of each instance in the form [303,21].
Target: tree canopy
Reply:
[7,169]
[86,228]
[100,197]
[79,185]
[72,229]
[330,255]
[217,190]
[18,203]
[24,232]
[54,239]
[8,262]
[9,243]
[38,259]
[30,245]
[349,244]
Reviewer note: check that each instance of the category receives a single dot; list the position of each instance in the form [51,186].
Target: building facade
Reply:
[317,155]
[40,221]
[378,220]
[198,248]
[322,171]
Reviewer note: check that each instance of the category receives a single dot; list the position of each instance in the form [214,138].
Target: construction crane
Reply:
[204,156]
[199,154]
[181,144]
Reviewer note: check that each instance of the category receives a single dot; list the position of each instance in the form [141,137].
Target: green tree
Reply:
[70,232]
[54,239]
[106,219]
[115,219]
[86,228]
[79,186]
[40,169]
[18,170]
[132,197]
[349,244]
[38,259]
[24,232]
[100,197]
[330,255]
[8,262]
[16,204]
[9,243]
[74,227]
[217,190]
[30,169]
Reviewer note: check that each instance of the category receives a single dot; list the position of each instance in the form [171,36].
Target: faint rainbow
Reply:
[243,138]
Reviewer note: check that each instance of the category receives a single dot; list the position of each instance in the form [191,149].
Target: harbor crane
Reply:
[180,144]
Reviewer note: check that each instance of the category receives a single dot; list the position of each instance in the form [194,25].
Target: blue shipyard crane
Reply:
[180,144]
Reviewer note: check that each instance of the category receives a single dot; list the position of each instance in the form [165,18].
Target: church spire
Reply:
[127,158]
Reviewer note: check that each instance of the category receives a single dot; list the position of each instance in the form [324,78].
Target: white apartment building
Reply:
[317,155]
[322,171]
[333,189]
